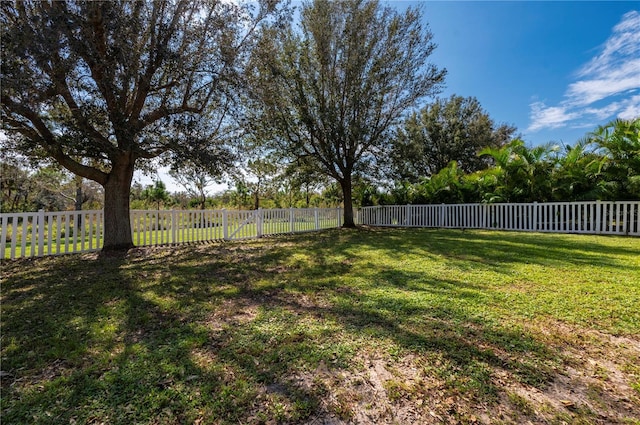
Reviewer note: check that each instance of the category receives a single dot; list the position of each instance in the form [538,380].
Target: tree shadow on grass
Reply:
[388,310]
[500,249]
[87,341]
[472,347]
[220,332]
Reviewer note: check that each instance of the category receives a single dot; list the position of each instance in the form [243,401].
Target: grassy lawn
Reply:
[344,326]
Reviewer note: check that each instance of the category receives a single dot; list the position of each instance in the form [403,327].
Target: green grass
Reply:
[390,325]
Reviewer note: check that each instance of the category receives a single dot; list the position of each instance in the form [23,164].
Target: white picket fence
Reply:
[42,233]
[597,217]
[36,234]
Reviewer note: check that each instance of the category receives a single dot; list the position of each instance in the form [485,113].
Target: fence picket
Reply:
[14,236]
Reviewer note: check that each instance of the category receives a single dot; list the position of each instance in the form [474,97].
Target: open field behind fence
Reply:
[49,233]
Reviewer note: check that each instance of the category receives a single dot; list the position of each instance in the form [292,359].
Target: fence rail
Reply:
[36,234]
[597,217]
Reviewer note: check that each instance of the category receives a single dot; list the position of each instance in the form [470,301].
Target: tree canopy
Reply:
[100,86]
[601,166]
[453,129]
[332,89]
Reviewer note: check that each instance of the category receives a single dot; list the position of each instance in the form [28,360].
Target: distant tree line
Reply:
[23,188]
[603,165]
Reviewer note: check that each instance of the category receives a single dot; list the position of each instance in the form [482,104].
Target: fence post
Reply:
[174,226]
[407,216]
[485,216]
[315,218]
[442,207]
[259,222]
[339,216]
[291,222]
[40,223]
[598,216]
[225,225]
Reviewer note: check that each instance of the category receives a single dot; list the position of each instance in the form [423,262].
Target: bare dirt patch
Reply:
[596,378]
[591,383]
[382,391]
[233,312]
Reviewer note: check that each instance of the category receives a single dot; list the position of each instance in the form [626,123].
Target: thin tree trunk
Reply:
[117,189]
[345,184]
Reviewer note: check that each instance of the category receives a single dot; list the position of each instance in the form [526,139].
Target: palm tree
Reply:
[576,176]
[157,193]
[619,144]
[525,172]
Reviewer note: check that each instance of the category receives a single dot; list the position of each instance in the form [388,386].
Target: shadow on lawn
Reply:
[495,250]
[132,340]
[86,341]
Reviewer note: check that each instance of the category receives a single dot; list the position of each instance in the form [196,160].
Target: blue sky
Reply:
[555,70]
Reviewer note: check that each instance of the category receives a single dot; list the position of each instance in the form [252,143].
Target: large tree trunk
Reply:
[345,184]
[117,222]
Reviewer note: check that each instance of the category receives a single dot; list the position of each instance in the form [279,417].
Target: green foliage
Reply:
[23,189]
[156,193]
[455,129]
[604,165]
[619,144]
[525,172]
[195,179]
[577,174]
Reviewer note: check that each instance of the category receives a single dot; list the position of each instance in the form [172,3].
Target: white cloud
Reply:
[587,92]
[544,116]
[622,44]
[600,83]
[631,109]
[604,112]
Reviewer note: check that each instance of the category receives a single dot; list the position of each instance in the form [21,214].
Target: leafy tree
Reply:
[453,129]
[16,187]
[157,193]
[446,186]
[619,145]
[333,90]
[195,179]
[48,188]
[260,174]
[112,84]
[240,194]
[576,177]
[303,178]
